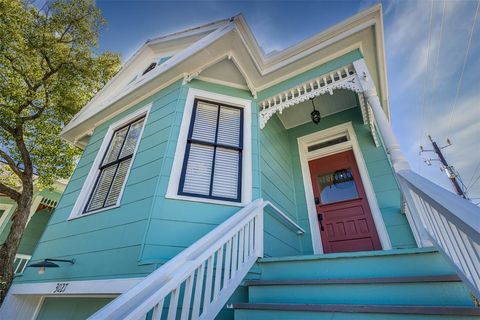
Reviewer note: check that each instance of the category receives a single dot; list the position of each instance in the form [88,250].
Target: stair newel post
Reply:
[259,233]
[398,160]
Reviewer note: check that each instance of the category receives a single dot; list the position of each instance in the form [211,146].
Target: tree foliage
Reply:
[48,71]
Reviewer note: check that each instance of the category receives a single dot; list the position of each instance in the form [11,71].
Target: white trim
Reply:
[91,287]
[352,144]
[172,191]
[223,83]
[7,212]
[82,199]
[25,300]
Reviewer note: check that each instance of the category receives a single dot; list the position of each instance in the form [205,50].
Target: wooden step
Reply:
[303,282]
[355,308]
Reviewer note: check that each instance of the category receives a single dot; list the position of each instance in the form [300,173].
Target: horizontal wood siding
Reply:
[176,224]
[108,244]
[278,186]
[379,170]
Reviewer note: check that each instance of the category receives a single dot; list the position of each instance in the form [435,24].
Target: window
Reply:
[114,166]
[212,165]
[337,186]
[150,68]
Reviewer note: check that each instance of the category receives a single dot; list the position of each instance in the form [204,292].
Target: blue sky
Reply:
[426,44]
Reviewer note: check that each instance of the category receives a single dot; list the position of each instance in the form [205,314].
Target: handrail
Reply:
[286,219]
[202,277]
[451,222]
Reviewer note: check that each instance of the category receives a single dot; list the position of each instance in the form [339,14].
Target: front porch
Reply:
[289,141]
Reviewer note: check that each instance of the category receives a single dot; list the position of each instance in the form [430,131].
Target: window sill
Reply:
[80,215]
[205,200]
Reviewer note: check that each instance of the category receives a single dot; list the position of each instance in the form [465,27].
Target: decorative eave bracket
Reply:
[342,78]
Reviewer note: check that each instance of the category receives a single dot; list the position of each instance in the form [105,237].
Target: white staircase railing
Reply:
[197,282]
[20,263]
[451,222]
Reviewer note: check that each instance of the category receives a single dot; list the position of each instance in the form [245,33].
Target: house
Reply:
[43,203]
[220,182]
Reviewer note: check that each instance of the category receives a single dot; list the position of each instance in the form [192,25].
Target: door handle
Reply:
[317,201]
[320,219]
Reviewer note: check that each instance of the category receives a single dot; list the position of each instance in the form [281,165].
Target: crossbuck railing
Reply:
[197,283]
[20,263]
[450,222]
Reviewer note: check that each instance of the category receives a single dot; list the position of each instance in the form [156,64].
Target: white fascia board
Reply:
[189,32]
[172,62]
[264,64]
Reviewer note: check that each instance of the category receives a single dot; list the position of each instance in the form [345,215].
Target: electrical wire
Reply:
[460,80]
[435,69]
[422,112]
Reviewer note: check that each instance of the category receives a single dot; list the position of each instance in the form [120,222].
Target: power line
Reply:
[474,174]
[434,72]
[460,80]
[422,113]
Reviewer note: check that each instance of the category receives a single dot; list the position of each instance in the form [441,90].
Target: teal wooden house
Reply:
[218,182]
[43,204]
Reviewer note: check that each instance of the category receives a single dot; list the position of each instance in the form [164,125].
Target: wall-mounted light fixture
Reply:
[315,114]
[47,263]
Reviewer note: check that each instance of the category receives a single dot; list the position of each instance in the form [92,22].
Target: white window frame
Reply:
[345,129]
[78,210]
[246,179]
[6,215]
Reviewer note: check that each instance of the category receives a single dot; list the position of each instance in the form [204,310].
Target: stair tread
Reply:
[365,280]
[362,308]
[356,254]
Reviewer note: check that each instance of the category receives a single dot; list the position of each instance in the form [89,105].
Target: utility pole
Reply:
[449,170]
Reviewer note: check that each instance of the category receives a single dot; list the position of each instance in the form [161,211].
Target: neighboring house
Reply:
[43,204]
[205,189]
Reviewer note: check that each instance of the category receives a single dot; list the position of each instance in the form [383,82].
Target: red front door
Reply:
[344,216]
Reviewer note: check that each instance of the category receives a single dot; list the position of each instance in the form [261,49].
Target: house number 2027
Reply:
[61,287]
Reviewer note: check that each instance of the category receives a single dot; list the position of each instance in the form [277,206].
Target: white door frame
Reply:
[345,129]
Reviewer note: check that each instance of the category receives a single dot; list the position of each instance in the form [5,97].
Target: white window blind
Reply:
[115,166]
[212,164]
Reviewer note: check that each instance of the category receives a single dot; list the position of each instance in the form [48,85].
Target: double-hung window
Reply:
[114,167]
[212,166]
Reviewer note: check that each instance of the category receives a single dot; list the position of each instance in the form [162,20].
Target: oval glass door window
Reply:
[337,186]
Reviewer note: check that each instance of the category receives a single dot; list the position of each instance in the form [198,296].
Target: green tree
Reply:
[48,71]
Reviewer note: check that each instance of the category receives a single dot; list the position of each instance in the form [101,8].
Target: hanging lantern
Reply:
[315,114]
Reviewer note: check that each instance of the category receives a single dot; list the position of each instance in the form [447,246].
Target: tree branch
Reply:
[12,193]
[11,164]
[27,162]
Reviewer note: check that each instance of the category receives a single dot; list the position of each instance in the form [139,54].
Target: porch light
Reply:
[47,263]
[315,114]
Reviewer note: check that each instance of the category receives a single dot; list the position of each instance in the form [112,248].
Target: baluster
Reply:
[318,83]
[208,282]
[245,242]
[157,310]
[234,255]
[241,247]
[226,270]
[471,259]
[187,297]
[458,246]
[444,240]
[197,297]
[250,237]
[172,308]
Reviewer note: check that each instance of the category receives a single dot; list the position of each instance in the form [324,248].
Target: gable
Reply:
[226,52]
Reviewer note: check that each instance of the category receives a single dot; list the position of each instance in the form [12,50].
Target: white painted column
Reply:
[399,162]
